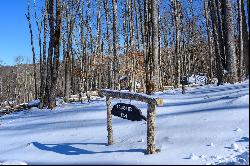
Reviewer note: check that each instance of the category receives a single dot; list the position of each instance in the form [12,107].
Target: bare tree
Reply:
[243,41]
[107,19]
[43,101]
[32,46]
[177,21]
[209,38]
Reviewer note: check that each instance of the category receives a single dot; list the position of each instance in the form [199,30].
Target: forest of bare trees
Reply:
[85,45]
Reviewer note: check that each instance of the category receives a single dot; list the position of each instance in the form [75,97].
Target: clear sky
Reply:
[14,31]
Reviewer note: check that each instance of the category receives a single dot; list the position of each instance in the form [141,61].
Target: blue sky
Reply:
[14,32]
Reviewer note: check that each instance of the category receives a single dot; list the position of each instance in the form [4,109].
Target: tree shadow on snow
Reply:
[218,89]
[203,100]
[223,108]
[243,139]
[68,149]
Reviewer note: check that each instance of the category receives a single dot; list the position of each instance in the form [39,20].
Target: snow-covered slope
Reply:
[207,125]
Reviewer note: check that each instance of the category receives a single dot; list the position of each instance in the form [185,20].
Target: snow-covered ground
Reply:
[207,125]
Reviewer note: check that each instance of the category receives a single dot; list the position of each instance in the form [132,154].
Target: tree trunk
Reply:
[177,22]
[248,18]
[70,18]
[99,28]
[43,101]
[115,46]
[152,50]
[214,19]
[229,40]
[53,87]
[137,24]
[50,50]
[106,9]
[67,77]
[109,121]
[151,126]
[220,34]
[243,42]
[210,51]
[33,49]
[39,28]
[155,43]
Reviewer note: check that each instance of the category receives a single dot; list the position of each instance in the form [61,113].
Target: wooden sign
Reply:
[128,111]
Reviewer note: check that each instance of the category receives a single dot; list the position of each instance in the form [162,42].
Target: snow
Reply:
[241,159]
[207,125]
[238,129]
[243,100]
[34,103]
[193,157]
[13,162]
[234,146]
[211,144]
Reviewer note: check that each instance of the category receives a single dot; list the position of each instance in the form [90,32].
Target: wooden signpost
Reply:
[130,112]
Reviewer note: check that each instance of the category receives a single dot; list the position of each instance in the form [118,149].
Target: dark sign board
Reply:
[127,111]
[184,80]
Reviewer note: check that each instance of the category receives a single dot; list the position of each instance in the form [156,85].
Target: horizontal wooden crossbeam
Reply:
[131,95]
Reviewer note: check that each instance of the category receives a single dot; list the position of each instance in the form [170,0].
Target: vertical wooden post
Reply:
[109,121]
[151,125]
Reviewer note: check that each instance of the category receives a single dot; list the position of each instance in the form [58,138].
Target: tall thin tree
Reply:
[33,49]
[215,29]
[115,46]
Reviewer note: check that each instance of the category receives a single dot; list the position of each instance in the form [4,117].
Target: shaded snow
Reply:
[243,100]
[241,159]
[198,127]
[193,157]
[234,146]
[34,103]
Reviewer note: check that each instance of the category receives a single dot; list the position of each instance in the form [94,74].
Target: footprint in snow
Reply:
[206,97]
[202,156]
[211,144]
[238,129]
[234,146]
[192,156]
[141,140]
[28,144]
[215,157]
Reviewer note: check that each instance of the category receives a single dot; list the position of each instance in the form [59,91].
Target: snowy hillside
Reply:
[207,125]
